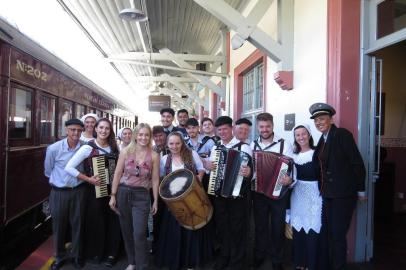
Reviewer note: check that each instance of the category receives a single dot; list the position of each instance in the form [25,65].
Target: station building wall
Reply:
[310,52]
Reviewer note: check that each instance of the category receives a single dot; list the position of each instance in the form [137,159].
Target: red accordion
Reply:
[269,168]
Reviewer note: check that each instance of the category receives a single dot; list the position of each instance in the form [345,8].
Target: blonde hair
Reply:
[133,144]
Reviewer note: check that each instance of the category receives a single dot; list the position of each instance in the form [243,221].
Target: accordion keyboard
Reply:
[213,174]
[99,168]
[278,186]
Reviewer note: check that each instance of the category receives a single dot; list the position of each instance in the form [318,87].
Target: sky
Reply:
[47,23]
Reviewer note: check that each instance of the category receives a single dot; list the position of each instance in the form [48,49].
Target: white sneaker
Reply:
[130,267]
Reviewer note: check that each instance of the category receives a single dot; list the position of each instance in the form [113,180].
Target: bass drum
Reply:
[188,202]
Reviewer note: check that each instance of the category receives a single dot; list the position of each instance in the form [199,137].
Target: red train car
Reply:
[38,93]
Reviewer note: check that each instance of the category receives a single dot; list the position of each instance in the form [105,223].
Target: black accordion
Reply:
[103,166]
[225,180]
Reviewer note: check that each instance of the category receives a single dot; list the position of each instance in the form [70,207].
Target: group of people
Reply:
[322,193]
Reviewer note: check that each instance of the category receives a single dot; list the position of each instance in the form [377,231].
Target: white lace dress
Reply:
[305,201]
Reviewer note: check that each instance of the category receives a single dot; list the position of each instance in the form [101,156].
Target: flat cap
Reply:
[223,120]
[321,108]
[243,121]
[192,122]
[74,121]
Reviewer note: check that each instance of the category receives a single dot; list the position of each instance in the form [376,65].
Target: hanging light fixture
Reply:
[133,14]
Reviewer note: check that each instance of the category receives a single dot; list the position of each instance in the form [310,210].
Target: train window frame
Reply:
[15,142]
[75,113]
[61,126]
[53,138]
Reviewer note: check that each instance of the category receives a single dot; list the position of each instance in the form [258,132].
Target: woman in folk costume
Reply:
[102,228]
[305,203]
[179,247]
[89,121]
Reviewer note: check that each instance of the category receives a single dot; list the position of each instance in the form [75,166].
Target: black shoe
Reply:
[258,263]
[94,261]
[220,264]
[78,263]
[56,265]
[110,261]
[277,266]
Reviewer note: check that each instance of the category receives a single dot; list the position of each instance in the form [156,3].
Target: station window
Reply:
[253,89]
[65,113]
[80,110]
[47,120]
[253,97]
[20,116]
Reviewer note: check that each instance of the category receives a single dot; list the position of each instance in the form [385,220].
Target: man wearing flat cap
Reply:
[242,129]
[341,179]
[230,213]
[67,194]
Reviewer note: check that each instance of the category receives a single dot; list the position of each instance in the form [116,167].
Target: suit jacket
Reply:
[343,171]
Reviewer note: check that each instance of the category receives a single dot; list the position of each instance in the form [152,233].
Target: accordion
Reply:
[269,168]
[225,180]
[103,166]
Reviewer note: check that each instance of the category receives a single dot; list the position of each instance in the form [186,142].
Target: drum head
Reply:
[176,184]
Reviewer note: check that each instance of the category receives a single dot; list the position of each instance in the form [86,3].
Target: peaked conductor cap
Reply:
[223,120]
[320,109]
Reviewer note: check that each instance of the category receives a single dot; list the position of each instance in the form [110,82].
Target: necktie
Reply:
[321,157]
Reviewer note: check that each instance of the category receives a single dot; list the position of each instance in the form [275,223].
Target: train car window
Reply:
[114,123]
[47,114]
[99,113]
[20,115]
[80,110]
[65,113]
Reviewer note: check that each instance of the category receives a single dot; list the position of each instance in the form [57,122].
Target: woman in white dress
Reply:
[305,202]
[124,135]
[89,121]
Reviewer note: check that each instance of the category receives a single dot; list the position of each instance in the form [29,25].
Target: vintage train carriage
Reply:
[38,93]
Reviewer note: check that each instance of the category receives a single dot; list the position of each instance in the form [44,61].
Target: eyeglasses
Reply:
[137,171]
[75,130]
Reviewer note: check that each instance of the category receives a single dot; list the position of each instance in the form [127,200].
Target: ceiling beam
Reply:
[190,69]
[183,103]
[141,79]
[247,29]
[186,90]
[202,79]
[169,57]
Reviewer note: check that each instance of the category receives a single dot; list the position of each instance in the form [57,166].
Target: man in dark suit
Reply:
[342,178]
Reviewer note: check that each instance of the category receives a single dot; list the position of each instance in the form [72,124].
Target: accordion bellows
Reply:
[269,168]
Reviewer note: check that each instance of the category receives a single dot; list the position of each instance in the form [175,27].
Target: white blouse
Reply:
[196,160]
[83,153]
